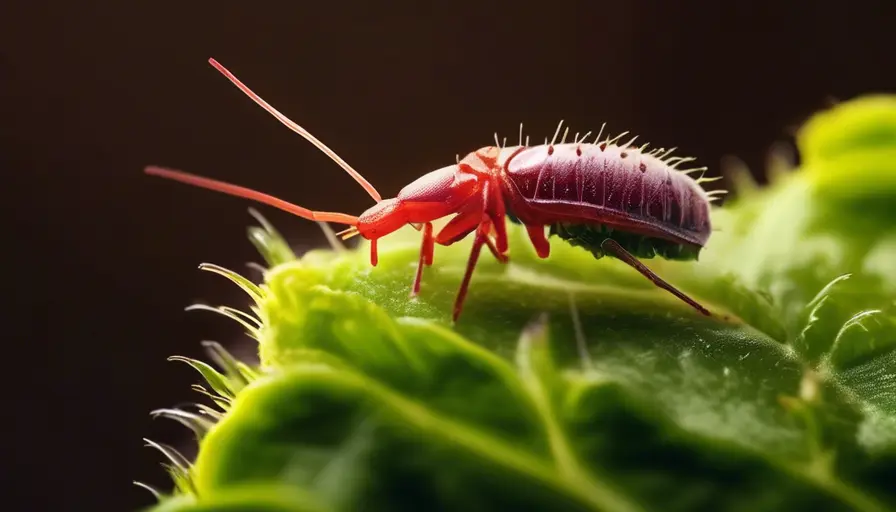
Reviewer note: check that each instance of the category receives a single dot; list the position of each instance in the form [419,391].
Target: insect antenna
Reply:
[298,129]
[253,195]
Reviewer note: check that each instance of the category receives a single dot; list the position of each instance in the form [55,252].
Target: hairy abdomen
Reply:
[621,189]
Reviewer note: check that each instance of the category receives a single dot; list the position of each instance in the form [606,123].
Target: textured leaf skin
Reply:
[784,400]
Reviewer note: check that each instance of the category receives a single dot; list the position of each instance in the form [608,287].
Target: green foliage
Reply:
[785,399]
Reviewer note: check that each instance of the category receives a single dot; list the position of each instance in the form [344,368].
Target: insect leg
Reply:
[426,253]
[474,216]
[461,225]
[481,237]
[502,257]
[539,241]
[613,247]
[429,242]
[497,213]
[374,257]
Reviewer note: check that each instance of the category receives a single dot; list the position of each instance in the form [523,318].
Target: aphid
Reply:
[610,199]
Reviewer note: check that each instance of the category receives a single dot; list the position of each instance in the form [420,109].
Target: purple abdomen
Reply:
[617,186]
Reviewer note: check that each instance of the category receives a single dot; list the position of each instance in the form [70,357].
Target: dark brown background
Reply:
[104,258]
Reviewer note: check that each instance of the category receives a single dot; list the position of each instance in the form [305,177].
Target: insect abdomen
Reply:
[599,181]
[591,236]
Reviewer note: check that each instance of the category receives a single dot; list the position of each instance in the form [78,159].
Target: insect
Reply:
[611,199]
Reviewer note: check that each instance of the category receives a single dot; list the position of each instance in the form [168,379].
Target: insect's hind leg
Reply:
[613,247]
[539,241]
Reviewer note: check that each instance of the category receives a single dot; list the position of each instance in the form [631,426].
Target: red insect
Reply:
[611,199]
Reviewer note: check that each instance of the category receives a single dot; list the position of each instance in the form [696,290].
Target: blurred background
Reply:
[104,258]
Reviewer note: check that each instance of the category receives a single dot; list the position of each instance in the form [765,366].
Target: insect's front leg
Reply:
[464,223]
[374,255]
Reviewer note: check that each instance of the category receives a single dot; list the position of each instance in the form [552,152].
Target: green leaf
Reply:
[254,498]
[268,241]
[218,382]
[195,422]
[573,383]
